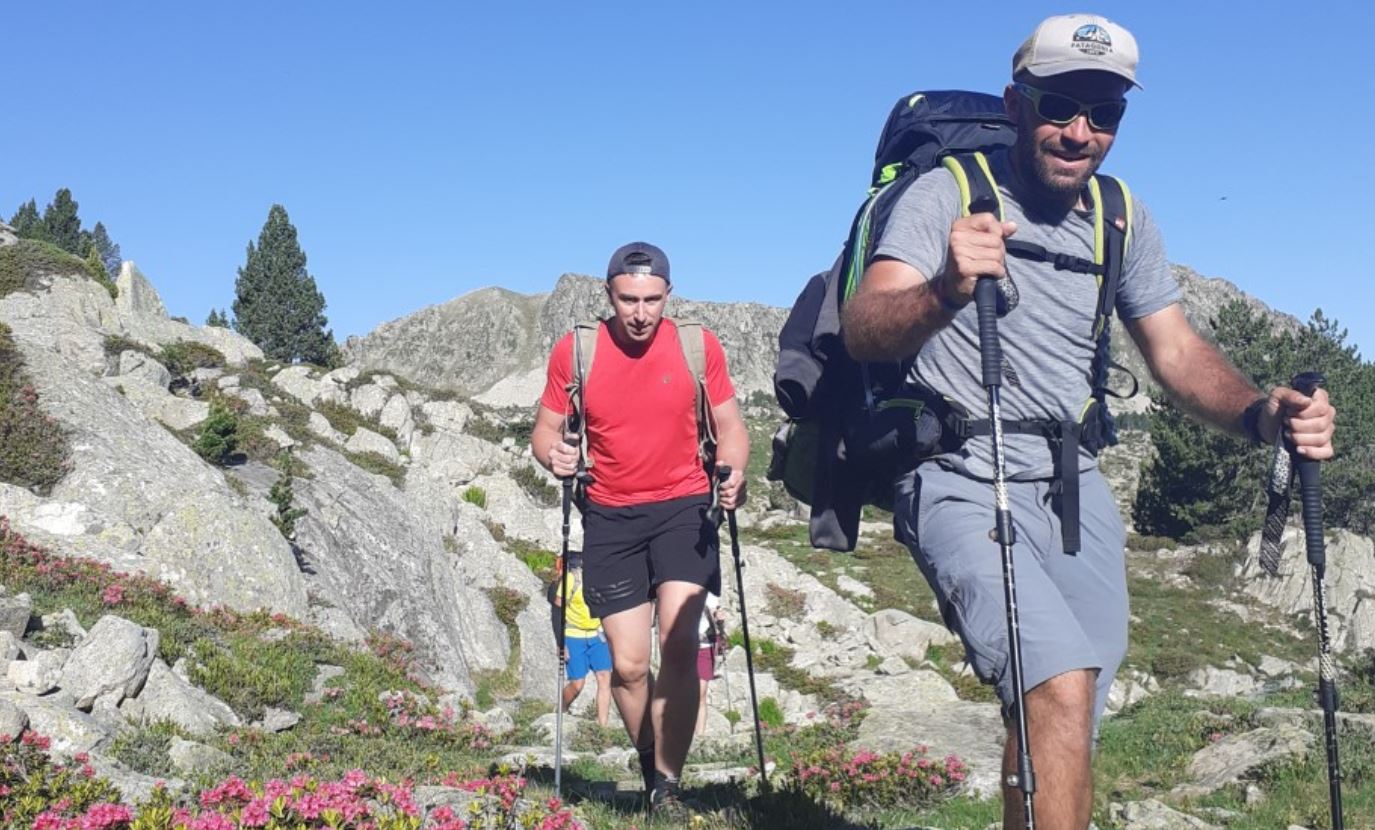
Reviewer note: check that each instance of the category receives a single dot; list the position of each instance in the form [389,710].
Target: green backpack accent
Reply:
[693,344]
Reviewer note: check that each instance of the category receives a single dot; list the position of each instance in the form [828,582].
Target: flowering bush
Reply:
[865,779]
[39,794]
[32,784]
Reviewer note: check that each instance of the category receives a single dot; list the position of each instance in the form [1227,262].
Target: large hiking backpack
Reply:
[853,428]
[693,343]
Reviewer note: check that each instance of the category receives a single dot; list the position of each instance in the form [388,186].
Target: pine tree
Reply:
[108,248]
[218,319]
[26,222]
[62,226]
[277,304]
[1203,483]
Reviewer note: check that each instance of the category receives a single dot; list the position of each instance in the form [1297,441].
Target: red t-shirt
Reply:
[641,430]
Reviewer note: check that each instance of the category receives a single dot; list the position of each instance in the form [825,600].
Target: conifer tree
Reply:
[108,248]
[62,226]
[276,303]
[26,222]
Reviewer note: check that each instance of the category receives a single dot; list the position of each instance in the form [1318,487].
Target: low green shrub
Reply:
[28,260]
[849,779]
[35,448]
[186,356]
[374,463]
[475,495]
[219,435]
[32,782]
[536,487]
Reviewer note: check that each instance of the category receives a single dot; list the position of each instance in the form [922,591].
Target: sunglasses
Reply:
[1062,109]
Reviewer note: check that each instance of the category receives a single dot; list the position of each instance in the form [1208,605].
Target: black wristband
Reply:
[1250,421]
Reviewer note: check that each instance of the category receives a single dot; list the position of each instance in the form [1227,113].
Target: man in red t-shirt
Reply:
[646,536]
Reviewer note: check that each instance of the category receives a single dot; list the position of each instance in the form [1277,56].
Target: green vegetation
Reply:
[475,495]
[277,304]
[25,262]
[347,420]
[219,435]
[34,447]
[1202,484]
[283,498]
[187,356]
[535,486]
[374,463]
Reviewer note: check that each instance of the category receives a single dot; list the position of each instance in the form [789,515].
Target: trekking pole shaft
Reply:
[749,650]
[991,364]
[561,640]
[1310,494]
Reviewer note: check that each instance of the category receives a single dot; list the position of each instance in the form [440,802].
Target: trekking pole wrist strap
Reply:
[1250,421]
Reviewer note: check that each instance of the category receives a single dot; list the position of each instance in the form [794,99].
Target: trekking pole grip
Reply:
[990,352]
[722,476]
[1310,482]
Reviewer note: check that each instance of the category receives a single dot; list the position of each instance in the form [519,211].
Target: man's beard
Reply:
[1038,176]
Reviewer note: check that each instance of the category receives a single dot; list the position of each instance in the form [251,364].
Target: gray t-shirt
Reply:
[1047,339]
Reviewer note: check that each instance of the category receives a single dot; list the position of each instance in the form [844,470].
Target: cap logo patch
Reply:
[1092,39]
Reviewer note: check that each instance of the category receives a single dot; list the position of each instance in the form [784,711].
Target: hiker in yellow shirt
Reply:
[584,643]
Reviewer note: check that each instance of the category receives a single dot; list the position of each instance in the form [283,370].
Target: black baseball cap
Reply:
[638,258]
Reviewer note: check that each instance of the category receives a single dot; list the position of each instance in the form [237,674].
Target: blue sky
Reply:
[427,149]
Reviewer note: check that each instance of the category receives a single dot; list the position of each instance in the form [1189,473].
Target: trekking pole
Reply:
[559,633]
[1310,491]
[991,360]
[722,474]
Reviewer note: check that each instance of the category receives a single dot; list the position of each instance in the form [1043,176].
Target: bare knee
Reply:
[629,672]
[576,685]
[1066,699]
[679,647]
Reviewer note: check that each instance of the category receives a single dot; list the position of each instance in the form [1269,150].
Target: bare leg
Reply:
[701,707]
[675,693]
[603,696]
[1060,725]
[571,692]
[627,636]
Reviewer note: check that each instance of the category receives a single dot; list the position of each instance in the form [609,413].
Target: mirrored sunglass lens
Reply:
[1107,116]
[1057,108]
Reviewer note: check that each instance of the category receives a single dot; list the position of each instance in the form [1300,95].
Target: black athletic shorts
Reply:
[629,551]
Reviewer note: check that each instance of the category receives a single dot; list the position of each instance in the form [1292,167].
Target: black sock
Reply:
[647,767]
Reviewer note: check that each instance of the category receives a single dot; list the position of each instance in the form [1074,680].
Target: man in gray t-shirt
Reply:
[1067,99]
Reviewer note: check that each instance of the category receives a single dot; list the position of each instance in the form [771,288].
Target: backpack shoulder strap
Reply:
[975,180]
[693,343]
[584,349]
[1112,232]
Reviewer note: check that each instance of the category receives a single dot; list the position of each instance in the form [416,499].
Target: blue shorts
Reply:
[1072,609]
[587,653]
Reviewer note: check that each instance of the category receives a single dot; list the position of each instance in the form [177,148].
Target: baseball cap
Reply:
[638,258]
[1077,42]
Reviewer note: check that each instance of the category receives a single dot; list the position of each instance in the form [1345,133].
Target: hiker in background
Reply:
[584,647]
[646,536]
[1066,99]
[710,644]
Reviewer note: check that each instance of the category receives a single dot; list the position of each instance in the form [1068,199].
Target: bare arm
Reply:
[732,449]
[897,309]
[1208,387]
[548,447]
[894,312]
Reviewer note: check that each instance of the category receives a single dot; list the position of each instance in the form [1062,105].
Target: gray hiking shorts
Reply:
[1072,610]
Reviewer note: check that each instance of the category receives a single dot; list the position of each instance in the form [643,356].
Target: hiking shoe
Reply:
[665,801]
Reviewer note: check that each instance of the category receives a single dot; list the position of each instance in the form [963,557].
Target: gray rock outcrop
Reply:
[136,497]
[113,659]
[497,342]
[1350,585]
[166,696]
